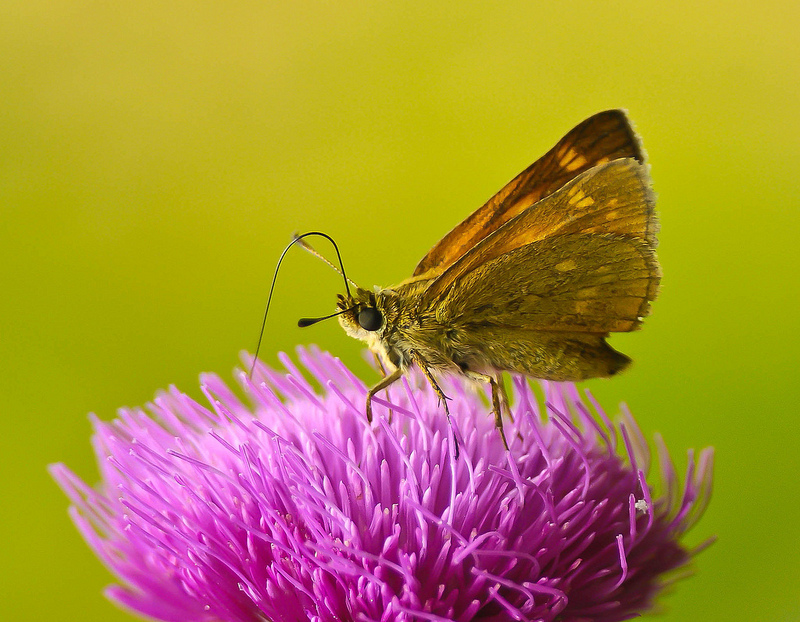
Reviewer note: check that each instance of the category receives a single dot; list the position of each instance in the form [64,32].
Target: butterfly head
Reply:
[361,315]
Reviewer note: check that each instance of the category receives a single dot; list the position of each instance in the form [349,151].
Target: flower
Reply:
[295,508]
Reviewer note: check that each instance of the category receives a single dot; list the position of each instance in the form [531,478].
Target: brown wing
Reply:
[613,198]
[601,138]
[579,282]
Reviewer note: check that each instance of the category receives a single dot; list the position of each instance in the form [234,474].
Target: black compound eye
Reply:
[369,318]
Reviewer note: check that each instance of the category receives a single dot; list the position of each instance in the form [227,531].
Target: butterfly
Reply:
[534,281]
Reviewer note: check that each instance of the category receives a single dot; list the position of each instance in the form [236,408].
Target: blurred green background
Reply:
[157,156]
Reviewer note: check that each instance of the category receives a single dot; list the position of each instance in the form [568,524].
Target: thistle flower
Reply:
[295,509]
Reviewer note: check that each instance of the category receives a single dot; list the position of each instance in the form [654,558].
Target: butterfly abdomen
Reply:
[556,356]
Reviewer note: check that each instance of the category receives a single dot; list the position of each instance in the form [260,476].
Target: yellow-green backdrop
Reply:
[156,157]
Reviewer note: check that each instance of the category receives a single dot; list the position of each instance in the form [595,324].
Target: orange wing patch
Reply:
[614,198]
[601,138]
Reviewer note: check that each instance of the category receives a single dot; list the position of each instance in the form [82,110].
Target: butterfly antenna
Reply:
[308,321]
[298,238]
[307,247]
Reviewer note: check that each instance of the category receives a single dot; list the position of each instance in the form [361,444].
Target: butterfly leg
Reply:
[499,398]
[379,364]
[423,365]
[505,403]
[500,386]
[385,382]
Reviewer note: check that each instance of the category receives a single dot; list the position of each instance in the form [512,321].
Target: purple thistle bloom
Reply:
[295,509]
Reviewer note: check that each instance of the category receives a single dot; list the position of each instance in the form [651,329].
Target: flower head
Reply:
[294,508]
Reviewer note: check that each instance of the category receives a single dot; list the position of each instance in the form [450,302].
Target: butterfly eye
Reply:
[369,318]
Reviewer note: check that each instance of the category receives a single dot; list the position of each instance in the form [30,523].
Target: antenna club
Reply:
[308,321]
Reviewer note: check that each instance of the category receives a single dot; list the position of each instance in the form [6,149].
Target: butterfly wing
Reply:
[578,282]
[613,199]
[601,138]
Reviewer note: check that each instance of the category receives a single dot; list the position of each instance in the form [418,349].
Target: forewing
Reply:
[601,138]
[613,198]
[579,282]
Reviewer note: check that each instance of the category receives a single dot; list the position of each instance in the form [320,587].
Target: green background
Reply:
[156,157]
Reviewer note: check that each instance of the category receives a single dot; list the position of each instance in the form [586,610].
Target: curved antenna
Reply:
[307,247]
[296,239]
